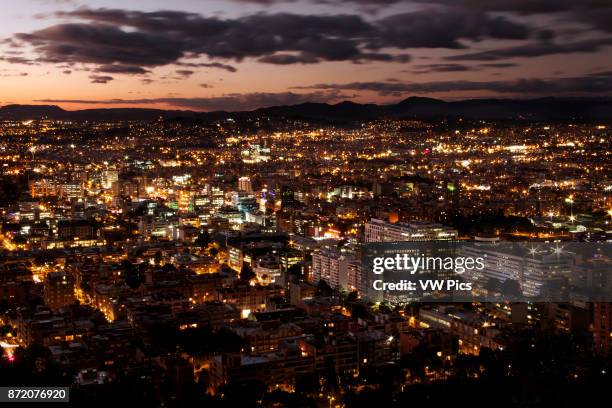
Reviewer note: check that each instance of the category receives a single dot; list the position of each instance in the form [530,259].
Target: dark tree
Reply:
[246,273]
[295,270]
[158,257]
[359,310]
[203,239]
[169,268]
[352,297]
[511,289]
[133,275]
[323,288]
[246,394]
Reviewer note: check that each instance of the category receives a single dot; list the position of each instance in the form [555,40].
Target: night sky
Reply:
[243,54]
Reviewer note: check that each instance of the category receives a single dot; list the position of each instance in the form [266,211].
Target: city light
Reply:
[314,203]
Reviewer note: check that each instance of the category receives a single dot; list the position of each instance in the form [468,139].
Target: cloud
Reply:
[121,69]
[596,84]
[263,2]
[516,6]
[431,68]
[434,28]
[18,74]
[142,40]
[537,49]
[600,19]
[454,67]
[498,64]
[219,65]
[308,58]
[18,60]
[206,86]
[365,3]
[229,102]
[525,7]
[184,73]
[100,79]
[331,2]
[595,13]
[288,59]
[101,44]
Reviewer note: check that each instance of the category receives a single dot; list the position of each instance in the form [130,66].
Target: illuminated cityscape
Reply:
[239,259]
[169,242]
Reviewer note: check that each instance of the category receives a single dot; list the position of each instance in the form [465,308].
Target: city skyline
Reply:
[246,54]
[306,203]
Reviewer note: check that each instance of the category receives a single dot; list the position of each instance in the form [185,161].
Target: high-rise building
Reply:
[287,196]
[332,266]
[58,290]
[245,202]
[381,231]
[72,190]
[217,196]
[536,272]
[356,281]
[44,187]
[602,327]
[244,184]
[109,177]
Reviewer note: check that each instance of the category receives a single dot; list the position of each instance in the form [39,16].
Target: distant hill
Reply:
[350,112]
[427,108]
[21,112]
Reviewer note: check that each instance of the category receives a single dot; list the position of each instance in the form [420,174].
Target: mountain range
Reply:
[542,109]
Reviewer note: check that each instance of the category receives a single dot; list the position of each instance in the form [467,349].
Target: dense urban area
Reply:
[186,262]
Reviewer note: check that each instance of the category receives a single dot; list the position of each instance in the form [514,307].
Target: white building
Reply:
[332,266]
[381,231]
[531,269]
